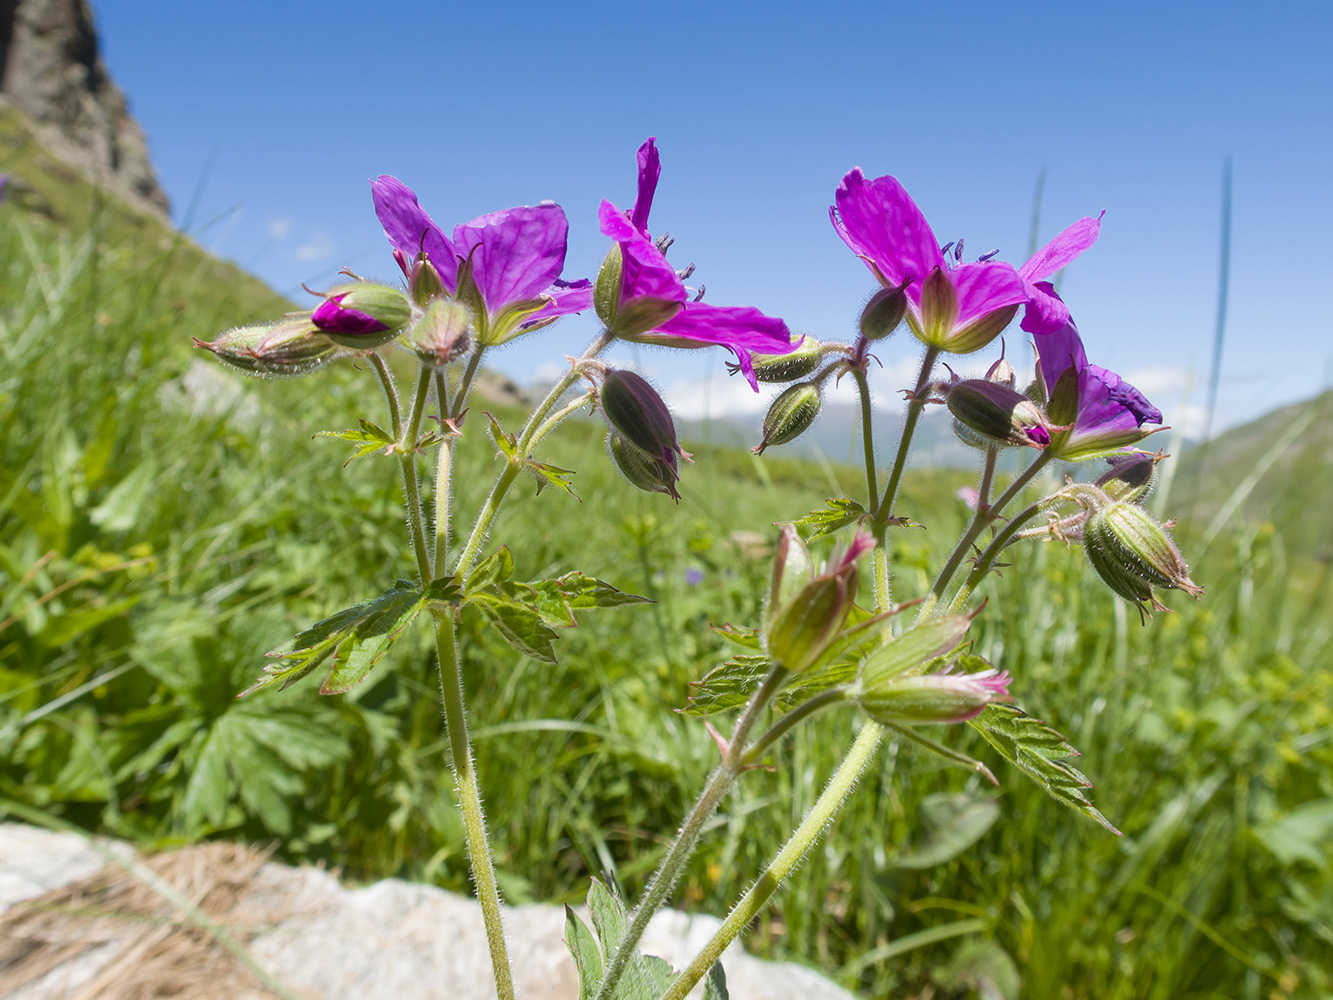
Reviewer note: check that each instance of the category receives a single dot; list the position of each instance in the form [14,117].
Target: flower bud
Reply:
[790,415]
[1002,372]
[808,622]
[785,367]
[292,347]
[1132,553]
[641,471]
[884,312]
[606,291]
[934,698]
[363,315]
[635,410]
[792,569]
[996,415]
[442,334]
[1130,477]
[424,281]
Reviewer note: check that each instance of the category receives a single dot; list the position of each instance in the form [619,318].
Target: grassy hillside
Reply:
[162,523]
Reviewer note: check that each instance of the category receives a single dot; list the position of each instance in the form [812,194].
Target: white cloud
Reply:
[318,247]
[279,228]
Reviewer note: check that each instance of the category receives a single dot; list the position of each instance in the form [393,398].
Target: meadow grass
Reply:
[163,523]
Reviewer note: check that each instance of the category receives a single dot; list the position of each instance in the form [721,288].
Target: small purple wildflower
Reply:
[694,577]
[514,258]
[651,287]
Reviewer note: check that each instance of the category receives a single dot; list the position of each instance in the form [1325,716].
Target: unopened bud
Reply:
[1132,553]
[606,291]
[812,618]
[292,347]
[424,281]
[1130,477]
[363,315]
[640,471]
[996,415]
[791,415]
[442,334]
[635,410]
[786,367]
[934,698]
[792,569]
[884,312]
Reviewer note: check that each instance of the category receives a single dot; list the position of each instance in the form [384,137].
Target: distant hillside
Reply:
[1293,491]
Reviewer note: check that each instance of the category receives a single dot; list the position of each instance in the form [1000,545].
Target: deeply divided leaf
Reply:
[521,626]
[369,439]
[551,475]
[727,686]
[1039,752]
[841,513]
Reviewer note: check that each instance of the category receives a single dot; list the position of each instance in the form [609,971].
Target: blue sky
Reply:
[266,119]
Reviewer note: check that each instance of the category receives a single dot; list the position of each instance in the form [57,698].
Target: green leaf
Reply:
[507,443]
[583,592]
[841,513]
[587,959]
[369,438]
[60,629]
[551,475]
[746,638]
[983,967]
[445,590]
[312,647]
[358,654]
[495,568]
[1302,834]
[1039,752]
[815,681]
[953,822]
[608,916]
[522,626]
[715,983]
[727,686]
[119,511]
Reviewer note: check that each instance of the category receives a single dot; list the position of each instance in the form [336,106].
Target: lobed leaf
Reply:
[841,513]
[551,475]
[746,638]
[523,627]
[1039,752]
[370,438]
[954,821]
[507,443]
[727,686]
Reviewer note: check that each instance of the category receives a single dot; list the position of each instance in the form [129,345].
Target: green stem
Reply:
[985,516]
[867,438]
[469,798]
[835,792]
[472,548]
[914,408]
[988,557]
[821,701]
[678,854]
[465,385]
[405,447]
[444,470]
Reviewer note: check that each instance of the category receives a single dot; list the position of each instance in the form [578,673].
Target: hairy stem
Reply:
[867,438]
[987,558]
[914,408]
[803,711]
[469,798]
[830,801]
[465,384]
[472,548]
[678,854]
[405,446]
[444,471]
[984,517]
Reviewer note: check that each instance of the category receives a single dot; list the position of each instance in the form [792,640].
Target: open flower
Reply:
[1107,414]
[642,298]
[1045,309]
[506,265]
[954,306]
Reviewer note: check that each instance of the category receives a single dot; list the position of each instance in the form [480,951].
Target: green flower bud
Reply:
[811,619]
[424,280]
[1130,477]
[292,347]
[1132,553]
[362,315]
[790,415]
[1003,373]
[639,470]
[934,698]
[606,290]
[792,570]
[884,312]
[990,413]
[785,367]
[442,334]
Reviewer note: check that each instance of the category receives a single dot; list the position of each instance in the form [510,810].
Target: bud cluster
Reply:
[642,436]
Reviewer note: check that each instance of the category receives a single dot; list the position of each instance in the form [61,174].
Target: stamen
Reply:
[699,297]
[663,243]
[683,275]
[987,256]
[944,250]
[958,252]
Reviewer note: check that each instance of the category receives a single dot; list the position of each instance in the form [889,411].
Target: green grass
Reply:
[163,523]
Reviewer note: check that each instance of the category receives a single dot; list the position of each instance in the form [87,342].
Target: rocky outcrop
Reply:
[51,70]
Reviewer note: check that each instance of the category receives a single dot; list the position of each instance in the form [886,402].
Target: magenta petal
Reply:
[731,326]
[563,298]
[881,223]
[408,227]
[333,318]
[1062,250]
[985,287]
[645,272]
[650,169]
[1057,350]
[1123,395]
[521,251]
[1045,311]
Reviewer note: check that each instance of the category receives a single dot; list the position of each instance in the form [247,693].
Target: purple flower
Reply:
[694,577]
[333,315]
[651,304]
[954,306]
[1045,309]
[1106,412]
[506,264]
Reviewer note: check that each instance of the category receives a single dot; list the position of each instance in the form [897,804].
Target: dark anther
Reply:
[663,243]
[987,256]
[944,250]
[699,297]
[682,275]
[958,252]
